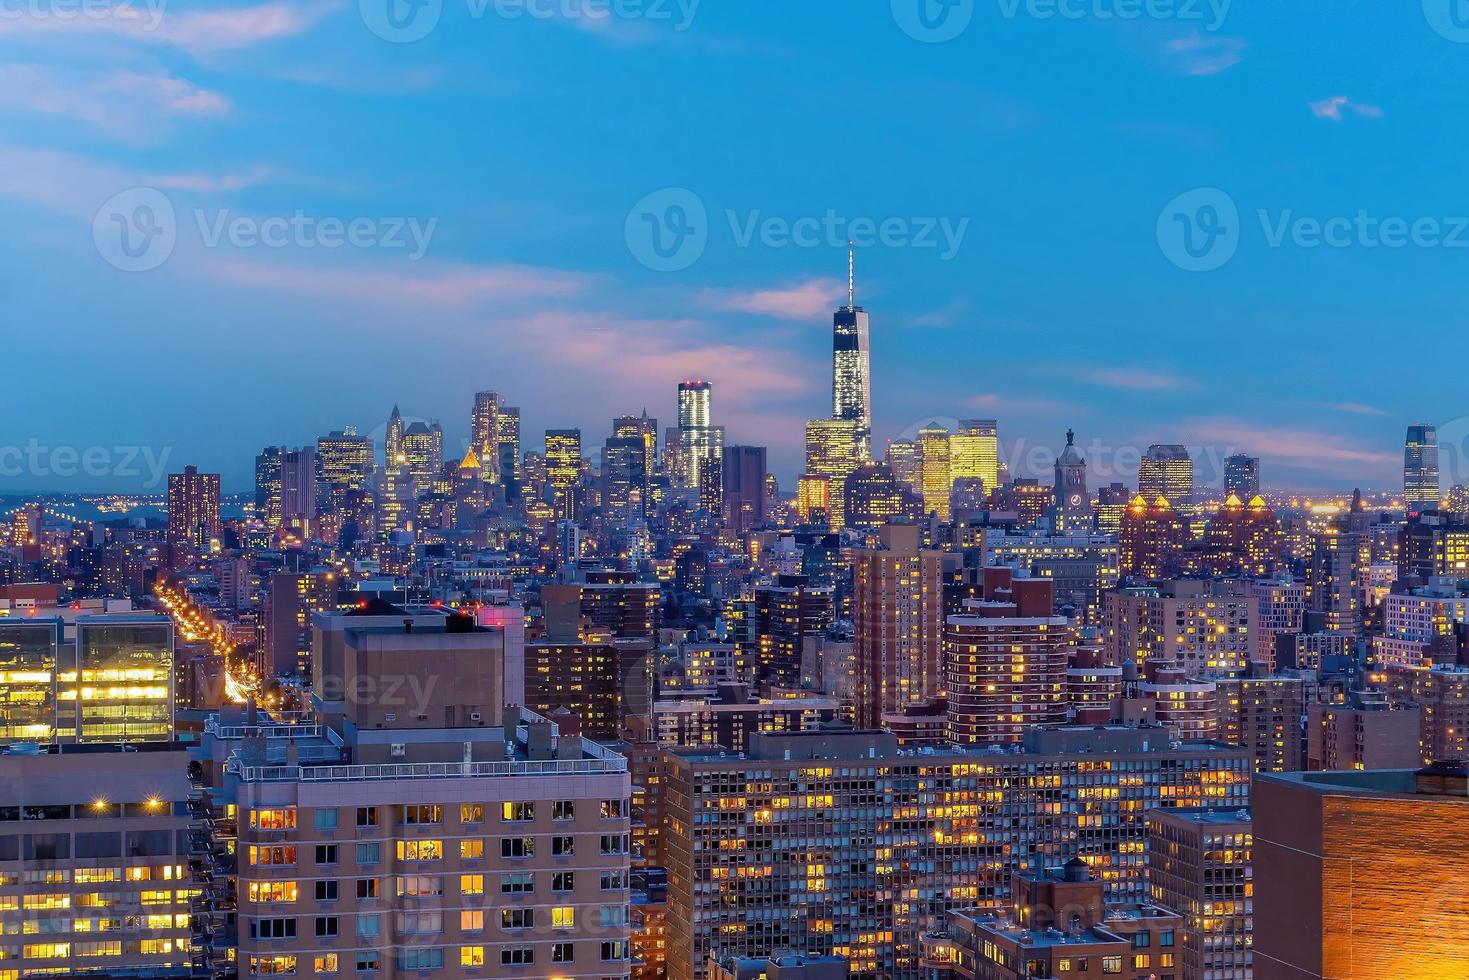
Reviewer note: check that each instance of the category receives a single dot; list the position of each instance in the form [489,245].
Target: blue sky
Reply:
[516,143]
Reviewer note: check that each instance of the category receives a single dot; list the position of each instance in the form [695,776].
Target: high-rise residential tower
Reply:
[1420,468]
[696,433]
[193,508]
[851,369]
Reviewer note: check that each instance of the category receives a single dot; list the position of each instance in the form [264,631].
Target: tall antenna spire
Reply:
[851,277]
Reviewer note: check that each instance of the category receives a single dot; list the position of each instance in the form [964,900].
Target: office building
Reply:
[1200,864]
[268,486]
[833,451]
[874,496]
[1167,471]
[93,873]
[851,368]
[794,843]
[343,465]
[1361,874]
[423,452]
[484,434]
[974,453]
[584,678]
[935,476]
[696,432]
[1242,476]
[743,475]
[1421,487]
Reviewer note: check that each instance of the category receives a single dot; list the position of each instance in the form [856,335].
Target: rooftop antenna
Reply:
[851,277]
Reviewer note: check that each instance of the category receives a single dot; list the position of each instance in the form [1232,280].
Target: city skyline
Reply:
[1033,239]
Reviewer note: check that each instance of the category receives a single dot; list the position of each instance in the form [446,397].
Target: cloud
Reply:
[802,301]
[455,286]
[1133,379]
[1023,404]
[1331,108]
[636,355]
[1353,408]
[126,104]
[195,32]
[1318,451]
[1199,54]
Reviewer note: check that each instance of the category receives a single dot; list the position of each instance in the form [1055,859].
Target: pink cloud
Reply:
[131,105]
[803,301]
[1319,451]
[195,32]
[442,286]
[1133,379]
[1199,54]
[1331,108]
[1354,408]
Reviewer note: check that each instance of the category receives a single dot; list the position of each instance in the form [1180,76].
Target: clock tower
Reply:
[1072,511]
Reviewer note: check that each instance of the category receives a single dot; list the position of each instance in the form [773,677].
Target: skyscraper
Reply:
[1242,476]
[974,453]
[935,478]
[193,508]
[563,467]
[743,474]
[268,486]
[393,460]
[298,489]
[851,370]
[644,428]
[833,451]
[484,434]
[696,435]
[343,464]
[1420,468]
[1167,471]
[423,452]
[508,421]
